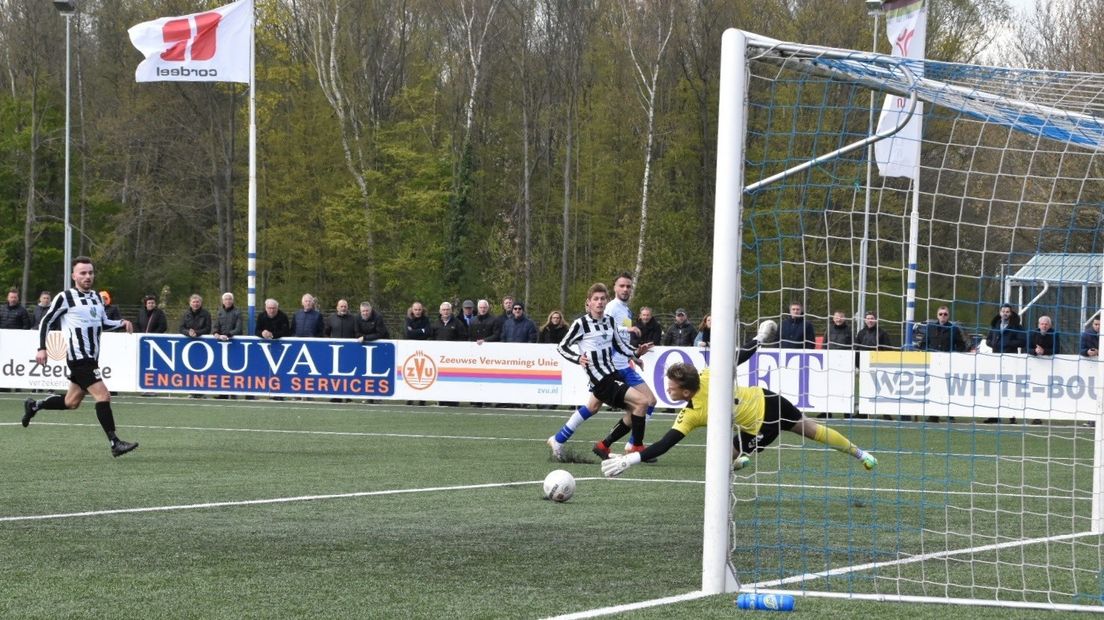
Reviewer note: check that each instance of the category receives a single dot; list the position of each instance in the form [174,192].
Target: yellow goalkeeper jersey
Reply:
[747,411]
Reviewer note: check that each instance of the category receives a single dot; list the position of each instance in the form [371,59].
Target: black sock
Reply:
[637,429]
[107,421]
[54,401]
[618,431]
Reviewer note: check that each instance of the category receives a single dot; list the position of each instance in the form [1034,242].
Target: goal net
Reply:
[988,483]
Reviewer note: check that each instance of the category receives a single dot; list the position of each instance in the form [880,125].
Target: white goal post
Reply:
[959,510]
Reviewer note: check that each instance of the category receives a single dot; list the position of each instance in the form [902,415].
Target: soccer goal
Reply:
[989,488]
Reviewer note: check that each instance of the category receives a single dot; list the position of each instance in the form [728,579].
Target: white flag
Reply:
[899,155]
[212,46]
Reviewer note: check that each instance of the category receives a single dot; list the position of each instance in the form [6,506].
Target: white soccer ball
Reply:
[559,486]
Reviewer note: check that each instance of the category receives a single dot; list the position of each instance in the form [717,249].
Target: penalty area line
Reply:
[617,609]
[274,500]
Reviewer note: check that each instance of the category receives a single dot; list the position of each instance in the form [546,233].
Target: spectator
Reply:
[706,325]
[111,311]
[417,323]
[554,329]
[682,333]
[44,299]
[196,321]
[872,337]
[448,327]
[483,325]
[1044,341]
[795,332]
[14,315]
[340,324]
[307,323]
[228,321]
[649,327]
[468,313]
[839,332]
[151,319]
[943,335]
[369,325]
[273,323]
[1006,335]
[500,320]
[519,328]
[1090,339]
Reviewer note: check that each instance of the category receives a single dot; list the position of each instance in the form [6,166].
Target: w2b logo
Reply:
[189,45]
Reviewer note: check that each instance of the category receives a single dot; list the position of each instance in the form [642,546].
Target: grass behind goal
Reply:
[377,511]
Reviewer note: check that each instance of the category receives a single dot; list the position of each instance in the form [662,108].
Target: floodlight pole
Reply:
[67,8]
[874,8]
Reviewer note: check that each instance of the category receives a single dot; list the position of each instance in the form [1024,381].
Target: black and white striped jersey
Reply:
[82,320]
[597,339]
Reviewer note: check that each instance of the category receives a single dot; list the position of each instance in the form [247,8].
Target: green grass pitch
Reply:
[294,509]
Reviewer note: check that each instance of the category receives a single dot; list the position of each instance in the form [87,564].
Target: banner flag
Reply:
[899,155]
[212,46]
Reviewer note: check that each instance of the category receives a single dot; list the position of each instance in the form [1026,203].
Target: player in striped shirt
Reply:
[81,314]
[758,416]
[592,341]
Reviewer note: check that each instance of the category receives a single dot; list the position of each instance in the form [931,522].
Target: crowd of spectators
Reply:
[477,323]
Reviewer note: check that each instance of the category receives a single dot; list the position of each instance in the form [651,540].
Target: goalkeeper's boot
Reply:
[868,461]
[557,448]
[120,447]
[602,450]
[631,448]
[30,408]
[740,462]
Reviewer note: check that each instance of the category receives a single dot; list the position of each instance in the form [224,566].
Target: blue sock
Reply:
[582,414]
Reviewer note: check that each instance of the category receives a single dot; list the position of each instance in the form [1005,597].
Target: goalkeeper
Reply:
[758,415]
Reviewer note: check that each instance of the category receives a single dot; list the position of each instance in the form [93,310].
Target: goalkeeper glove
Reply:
[613,467]
[767,330]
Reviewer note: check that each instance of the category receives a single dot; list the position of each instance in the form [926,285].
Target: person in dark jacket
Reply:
[682,333]
[1006,335]
[417,323]
[307,322]
[500,320]
[228,321]
[794,332]
[14,315]
[111,311]
[1044,341]
[519,327]
[483,325]
[151,319]
[839,331]
[272,323]
[448,327]
[195,321]
[943,335]
[44,299]
[369,325]
[554,329]
[650,329]
[705,331]
[872,337]
[1090,340]
[340,324]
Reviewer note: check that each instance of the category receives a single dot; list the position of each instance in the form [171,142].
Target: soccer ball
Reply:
[559,486]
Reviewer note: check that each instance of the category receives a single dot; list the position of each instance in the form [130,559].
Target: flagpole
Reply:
[251,259]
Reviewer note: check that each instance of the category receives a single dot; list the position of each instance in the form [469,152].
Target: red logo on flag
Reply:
[178,32]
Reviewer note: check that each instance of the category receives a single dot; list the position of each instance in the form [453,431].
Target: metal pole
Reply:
[68,233]
[860,307]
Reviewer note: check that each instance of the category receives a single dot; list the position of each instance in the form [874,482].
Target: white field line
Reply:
[274,500]
[617,609]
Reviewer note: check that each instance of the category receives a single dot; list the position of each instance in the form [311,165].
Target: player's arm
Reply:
[622,345]
[571,339]
[57,308]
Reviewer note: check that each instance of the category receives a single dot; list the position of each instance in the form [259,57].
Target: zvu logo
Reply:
[185,44]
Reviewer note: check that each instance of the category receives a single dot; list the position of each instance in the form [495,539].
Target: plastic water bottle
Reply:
[773,602]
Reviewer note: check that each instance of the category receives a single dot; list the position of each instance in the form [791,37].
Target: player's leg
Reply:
[611,391]
[811,429]
[57,402]
[639,394]
[580,415]
[106,418]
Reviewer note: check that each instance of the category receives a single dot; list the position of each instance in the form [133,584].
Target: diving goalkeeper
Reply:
[759,415]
